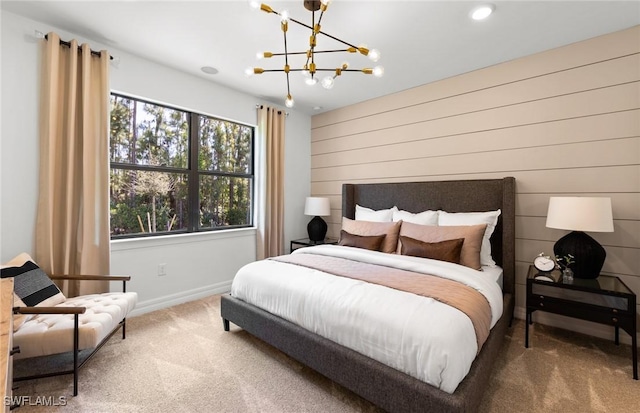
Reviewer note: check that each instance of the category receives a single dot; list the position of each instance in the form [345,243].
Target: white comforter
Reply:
[417,335]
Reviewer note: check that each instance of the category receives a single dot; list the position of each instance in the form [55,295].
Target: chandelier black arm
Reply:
[315,51]
[309,27]
[312,47]
[286,62]
[312,29]
[321,32]
[317,70]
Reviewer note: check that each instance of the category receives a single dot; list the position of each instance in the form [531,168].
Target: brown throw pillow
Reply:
[368,228]
[472,234]
[448,250]
[372,242]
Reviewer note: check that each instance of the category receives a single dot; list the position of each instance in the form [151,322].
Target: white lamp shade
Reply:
[580,214]
[316,206]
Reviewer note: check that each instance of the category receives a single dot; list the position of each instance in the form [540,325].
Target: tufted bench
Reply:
[46,334]
[46,322]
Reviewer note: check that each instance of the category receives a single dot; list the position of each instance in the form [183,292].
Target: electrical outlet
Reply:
[162,269]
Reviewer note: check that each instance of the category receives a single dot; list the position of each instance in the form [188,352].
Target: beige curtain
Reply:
[270,182]
[72,232]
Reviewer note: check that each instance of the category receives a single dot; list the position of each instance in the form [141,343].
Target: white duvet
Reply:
[417,335]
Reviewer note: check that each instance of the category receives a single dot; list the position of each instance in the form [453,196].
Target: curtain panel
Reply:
[72,228]
[270,182]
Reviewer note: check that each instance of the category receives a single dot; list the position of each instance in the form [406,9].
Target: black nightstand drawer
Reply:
[603,316]
[586,297]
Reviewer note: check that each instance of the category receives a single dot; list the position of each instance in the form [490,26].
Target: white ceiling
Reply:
[420,41]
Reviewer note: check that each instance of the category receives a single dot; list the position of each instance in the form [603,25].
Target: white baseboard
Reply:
[574,324]
[179,298]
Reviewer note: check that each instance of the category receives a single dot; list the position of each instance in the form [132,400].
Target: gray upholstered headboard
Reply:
[451,196]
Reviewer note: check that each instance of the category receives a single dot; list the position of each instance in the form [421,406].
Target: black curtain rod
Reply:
[68,44]
[259,106]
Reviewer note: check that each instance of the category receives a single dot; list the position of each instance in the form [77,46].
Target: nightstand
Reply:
[604,300]
[306,242]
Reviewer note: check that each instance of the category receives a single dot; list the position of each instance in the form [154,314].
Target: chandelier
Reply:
[310,69]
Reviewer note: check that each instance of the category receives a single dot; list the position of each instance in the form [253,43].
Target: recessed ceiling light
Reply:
[209,70]
[317,107]
[482,12]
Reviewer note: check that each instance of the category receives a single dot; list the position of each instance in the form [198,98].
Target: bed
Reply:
[387,387]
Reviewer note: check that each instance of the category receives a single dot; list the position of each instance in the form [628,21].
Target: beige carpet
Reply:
[180,359]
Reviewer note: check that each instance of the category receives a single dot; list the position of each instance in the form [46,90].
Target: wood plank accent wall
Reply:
[562,122]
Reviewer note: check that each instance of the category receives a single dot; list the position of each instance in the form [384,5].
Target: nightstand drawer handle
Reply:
[615,311]
[542,297]
[541,304]
[615,320]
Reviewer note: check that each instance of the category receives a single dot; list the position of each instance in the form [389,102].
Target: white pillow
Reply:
[474,218]
[423,218]
[368,214]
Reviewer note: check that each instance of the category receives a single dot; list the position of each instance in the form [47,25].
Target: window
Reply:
[174,171]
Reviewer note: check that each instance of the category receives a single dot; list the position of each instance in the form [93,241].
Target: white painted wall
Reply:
[197,264]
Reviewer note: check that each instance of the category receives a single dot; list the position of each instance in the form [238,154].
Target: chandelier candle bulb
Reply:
[289,101]
[327,82]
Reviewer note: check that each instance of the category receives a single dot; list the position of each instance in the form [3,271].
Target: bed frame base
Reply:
[384,386]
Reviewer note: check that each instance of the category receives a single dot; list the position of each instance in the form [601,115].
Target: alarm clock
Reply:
[544,263]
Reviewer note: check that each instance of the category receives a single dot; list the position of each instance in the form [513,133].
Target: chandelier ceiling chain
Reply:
[310,70]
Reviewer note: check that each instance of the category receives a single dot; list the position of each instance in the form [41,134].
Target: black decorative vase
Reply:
[588,254]
[317,229]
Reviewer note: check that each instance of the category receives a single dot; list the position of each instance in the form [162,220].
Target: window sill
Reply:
[179,239]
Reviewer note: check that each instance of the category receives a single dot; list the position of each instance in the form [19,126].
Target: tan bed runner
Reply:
[464,298]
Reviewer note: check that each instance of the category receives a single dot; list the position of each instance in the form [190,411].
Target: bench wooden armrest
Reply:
[123,278]
[90,277]
[49,310]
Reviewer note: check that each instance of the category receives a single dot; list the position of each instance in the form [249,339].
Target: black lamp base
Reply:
[587,252]
[317,229]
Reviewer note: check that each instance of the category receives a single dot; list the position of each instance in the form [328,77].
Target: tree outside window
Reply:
[174,171]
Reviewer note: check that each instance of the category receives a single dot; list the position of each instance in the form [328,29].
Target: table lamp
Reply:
[579,214]
[317,207]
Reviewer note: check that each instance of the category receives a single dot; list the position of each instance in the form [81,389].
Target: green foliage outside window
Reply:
[151,170]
